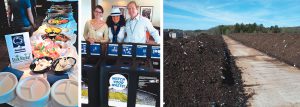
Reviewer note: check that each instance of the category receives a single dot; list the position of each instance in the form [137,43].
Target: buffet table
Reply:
[68,29]
[67,50]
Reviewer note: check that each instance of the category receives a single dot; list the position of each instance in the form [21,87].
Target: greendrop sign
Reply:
[19,49]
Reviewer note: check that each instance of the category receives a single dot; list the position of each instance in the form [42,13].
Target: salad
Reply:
[58,21]
[46,48]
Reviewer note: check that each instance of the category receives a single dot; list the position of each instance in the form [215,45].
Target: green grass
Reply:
[118,96]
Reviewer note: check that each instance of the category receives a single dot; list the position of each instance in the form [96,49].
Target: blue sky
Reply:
[204,14]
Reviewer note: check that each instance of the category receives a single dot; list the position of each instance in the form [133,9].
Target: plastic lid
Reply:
[65,92]
[33,88]
[8,82]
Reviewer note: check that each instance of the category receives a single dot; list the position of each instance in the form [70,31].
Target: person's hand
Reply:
[8,22]
[91,41]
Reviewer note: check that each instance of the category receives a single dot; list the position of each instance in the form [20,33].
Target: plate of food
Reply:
[55,30]
[57,37]
[46,47]
[63,65]
[52,32]
[58,20]
[41,65]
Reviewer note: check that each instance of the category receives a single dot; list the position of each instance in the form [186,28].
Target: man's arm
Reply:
[9,15]
[29,13]
[30,17]
[153,32]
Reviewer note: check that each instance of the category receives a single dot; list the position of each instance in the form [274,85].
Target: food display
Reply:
[56,37]
[62,37]
[54,51]
[57,20]
[46,48]
[60,7]
[53,30]
[55,34]
[64,64]
[41,65]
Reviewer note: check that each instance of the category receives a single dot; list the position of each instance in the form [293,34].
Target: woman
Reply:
[96,30]
[116,26]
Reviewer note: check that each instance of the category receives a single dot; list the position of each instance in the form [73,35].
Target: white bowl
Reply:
[33,91]
[8,83]
[64,93]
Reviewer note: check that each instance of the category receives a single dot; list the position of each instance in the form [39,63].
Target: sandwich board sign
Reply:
[19,50]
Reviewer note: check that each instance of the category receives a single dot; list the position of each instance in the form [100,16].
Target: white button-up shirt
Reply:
[136,30]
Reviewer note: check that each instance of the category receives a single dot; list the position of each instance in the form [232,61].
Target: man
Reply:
[137,25]
[23,20]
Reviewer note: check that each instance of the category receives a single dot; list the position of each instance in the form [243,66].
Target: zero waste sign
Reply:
[118,82]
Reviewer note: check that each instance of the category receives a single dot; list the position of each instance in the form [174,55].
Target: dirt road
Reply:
[274,83]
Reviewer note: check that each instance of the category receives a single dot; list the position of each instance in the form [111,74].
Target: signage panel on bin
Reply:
[83,48]
[127,50]
[141,51]
[113,49]
[95,49]
[155,52]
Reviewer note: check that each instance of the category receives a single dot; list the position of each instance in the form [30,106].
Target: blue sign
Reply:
[155,53]
[83,48]
[127,50]
[113,49]
[141,51]
[95,49]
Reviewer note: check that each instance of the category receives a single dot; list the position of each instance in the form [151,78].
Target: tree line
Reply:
[244,28]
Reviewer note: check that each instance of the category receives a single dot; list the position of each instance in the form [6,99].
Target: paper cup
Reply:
[64,93]
[8,83]
[33,91]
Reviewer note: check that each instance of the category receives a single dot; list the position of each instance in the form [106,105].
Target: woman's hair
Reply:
[99,7]
[110,22]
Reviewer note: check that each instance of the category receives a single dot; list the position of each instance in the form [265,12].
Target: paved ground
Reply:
[274,83]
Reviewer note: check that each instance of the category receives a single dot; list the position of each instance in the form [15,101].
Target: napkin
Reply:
[53,78]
